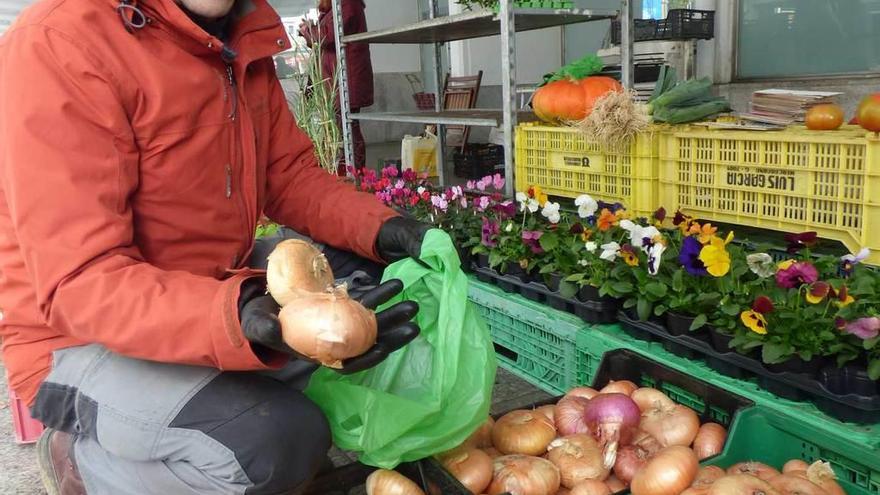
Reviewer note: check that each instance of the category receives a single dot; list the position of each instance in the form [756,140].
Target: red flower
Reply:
[577,228]
[414,200]
[763,305]
[796,242]
[660,214]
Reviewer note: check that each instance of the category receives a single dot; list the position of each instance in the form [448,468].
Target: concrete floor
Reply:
[18,467]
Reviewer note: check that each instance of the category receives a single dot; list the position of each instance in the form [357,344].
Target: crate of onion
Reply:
[642,428]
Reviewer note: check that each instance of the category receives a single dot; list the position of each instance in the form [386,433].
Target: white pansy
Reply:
[587,206]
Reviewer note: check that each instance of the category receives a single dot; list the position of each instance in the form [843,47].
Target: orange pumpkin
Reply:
[825,117]
[568,100]
[869,113]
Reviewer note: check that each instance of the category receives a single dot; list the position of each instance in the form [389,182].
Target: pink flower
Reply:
[531,239]
[399,185]
[439,202]
[409,175]
[797,274]
[483,203]
[498,181]
[481,184]
[389,171]
[463,201]
[471,185]
[864,328]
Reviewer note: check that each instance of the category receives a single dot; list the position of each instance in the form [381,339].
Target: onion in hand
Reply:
[296,268]
[328,327]
[524,475]
[578,458]
[523,432]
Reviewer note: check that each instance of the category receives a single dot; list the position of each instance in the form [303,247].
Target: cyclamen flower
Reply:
[439,202]
[551,212]
[864,328]
[409,175]
[530,238]
[587,206]
[400,184]
[498,181]
[482,203]
[470,185]
[390,171]
[481,184]
[689,257]
[796,274]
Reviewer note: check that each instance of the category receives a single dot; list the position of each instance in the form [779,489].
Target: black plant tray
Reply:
[590,311]
[430,477]
[843,393]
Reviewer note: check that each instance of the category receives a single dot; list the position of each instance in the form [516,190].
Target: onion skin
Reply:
[615,485]
[473,469]
[578,457]
[821,474]
[630,459]
[741,484]
[788,484]
[328,327]
[650,398]
[492,452]
[482,436]
[523,432]
[756,469]
[669,472]
[624,387]
[647,442]
[590,487]
[524,475]
[676,425]
[612,419]
[708,475]
[563,491]
[549,411]
[696,491]
[569,415]
[795,465]
[585,392]
[710,440]
[385,482]
[297,268]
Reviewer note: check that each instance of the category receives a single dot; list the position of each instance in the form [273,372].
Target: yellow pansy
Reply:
[754,321]
[715,256]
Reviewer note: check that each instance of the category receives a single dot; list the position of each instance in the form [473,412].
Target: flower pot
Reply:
[483,260]
[467,259]
[553,281]
[851,379]
[720,340]
[678,324]
[796,364]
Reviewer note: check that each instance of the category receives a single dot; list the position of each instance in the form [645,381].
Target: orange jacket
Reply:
[132,175]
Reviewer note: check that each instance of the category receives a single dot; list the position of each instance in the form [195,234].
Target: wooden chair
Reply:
[460,93]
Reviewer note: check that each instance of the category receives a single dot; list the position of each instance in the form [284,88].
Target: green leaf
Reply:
[678,280]
[577,277]
[549,242]
[567,289]
[548,268]
[871,343]
[874,369]
[730,309]
[629,303]
[644,309]
[773,353]
[495,258]
[660,310]
[752,344]
[622,288]
[699,322]
[656,289]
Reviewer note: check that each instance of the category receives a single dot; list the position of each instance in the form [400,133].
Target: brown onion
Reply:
[385,482]
[624,387]
[710,440]
[756,469]
[741,484]
[482,436]
[563,491]
[578,458]
[788,484]
[695,491]
[328,327]
[585,392]
[669,472]
[523,432]
[630,460]
[646,441]
[524,475]
[795,465]
[590,487]
[296,268]
[822,474]
[549,411]
[650,398]
[492,452]
[569,415]
[707,475]
[473,469]
[615,485]
[676,425]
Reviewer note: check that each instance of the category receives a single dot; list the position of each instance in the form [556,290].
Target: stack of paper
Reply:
[784,106]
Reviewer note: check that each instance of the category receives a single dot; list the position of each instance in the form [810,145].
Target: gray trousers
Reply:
[145,427]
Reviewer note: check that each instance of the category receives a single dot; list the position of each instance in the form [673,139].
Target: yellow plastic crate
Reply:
[564,163]
[793,181]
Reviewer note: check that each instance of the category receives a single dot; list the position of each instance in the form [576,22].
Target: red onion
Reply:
[570,414]
[612,419]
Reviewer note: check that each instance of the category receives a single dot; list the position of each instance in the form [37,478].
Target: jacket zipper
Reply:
[231,77]
[241,205]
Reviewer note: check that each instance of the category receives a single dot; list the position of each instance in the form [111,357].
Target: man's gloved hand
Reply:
[259,322]
[401,237]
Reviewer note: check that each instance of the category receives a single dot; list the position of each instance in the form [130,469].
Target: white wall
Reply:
[383,14]
[9,10]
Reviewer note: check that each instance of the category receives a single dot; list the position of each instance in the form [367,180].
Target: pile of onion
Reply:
[318,320]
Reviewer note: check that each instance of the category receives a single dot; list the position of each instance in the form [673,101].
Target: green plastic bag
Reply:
[432,394]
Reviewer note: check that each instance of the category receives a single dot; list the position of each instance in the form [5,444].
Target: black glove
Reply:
[259,322]
[401,237]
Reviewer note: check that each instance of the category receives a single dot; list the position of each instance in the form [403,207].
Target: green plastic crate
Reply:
[533,341]
[764,436]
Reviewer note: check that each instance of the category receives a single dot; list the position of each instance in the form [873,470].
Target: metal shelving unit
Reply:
[437,30]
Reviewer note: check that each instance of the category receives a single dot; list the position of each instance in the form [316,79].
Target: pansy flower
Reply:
[849,262]
[754,321]
[505,210]
[704,232]
[864,328]
[628,253]
[551,212]
[531,239]
[587,206]
[795,274]
[538,195]
[761,264]
[655,253]
[715,256]
[763,305]
[796,242]
[527,203]
[489,231]
[610,251]
[607,219]
[689,257]
[660,215]
[612,207]
[817,292]
[591,247]
[843,298]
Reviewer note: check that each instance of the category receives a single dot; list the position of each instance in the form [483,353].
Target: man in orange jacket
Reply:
[140,141]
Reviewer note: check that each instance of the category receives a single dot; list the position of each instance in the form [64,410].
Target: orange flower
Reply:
[703,232]
[622,214]
[606,220]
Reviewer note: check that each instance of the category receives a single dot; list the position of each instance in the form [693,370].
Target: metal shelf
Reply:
[477,25]
[475,117]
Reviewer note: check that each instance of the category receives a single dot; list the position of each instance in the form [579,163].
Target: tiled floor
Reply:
[18,468]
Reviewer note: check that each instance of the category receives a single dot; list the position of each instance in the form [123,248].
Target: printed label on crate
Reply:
[573,160]
[762,178]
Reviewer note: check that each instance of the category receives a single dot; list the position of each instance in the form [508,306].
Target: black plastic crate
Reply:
[478,161]
[351,479]
[680,24]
